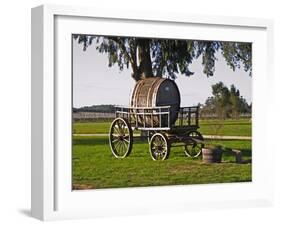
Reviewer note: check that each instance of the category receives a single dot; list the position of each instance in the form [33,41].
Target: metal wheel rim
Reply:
[194,149]
[120,138]
[158,147]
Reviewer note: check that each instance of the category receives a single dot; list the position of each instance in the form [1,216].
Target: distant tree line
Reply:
[108,108]
[225,103]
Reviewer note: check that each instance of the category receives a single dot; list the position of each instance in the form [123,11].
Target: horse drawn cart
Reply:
[155,110]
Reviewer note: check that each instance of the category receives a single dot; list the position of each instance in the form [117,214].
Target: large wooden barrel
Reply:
[155,91]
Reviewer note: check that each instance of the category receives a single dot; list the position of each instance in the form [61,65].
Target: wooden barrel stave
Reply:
[153,92]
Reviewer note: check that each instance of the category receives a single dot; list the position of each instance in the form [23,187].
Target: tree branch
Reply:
[122,48]
[131,58]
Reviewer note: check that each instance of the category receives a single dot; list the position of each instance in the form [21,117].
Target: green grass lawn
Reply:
[91,127]
[95,167]
[240,127]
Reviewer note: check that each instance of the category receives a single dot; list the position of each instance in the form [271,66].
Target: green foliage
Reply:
[221,100]
[165,57]
[170,57]
[225,103]
[108,108]
[208,50]
[237,55]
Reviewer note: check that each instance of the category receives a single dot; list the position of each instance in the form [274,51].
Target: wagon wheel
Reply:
[159,147]
[120,138]
[193,147]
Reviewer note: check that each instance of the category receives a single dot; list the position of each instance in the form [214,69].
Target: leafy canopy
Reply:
[225,102]
[167,57]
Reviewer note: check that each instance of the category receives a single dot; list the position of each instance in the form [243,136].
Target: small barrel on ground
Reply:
[213,155]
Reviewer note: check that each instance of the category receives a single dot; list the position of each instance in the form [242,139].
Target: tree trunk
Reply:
[144,69]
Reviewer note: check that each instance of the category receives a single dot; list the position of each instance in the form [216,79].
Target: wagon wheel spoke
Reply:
[193,150]
[159,147]
[125,145]
[161,154]
[121,148]
[163,143]
[194,145]
[121,129]
[117,131]
[117,128]
[126,140]
[158,156]
[117,147]
[154,144]
[115,140]
[120,138]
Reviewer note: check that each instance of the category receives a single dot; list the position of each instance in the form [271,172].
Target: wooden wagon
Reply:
[155,110]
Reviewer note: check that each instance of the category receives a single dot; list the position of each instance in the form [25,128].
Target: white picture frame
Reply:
[52,197]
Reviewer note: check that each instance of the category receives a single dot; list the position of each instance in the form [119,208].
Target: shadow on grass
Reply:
[90,140]
[245,152]
[141,151]
[99,141]
[228,153]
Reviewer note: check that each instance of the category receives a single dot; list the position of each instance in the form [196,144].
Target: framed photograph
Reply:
[136,112]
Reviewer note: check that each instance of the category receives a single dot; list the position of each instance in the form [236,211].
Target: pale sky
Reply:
[95,83]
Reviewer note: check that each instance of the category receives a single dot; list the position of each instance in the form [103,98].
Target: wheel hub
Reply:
[159,148]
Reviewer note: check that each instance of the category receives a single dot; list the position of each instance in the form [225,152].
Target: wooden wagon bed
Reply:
[160,132]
